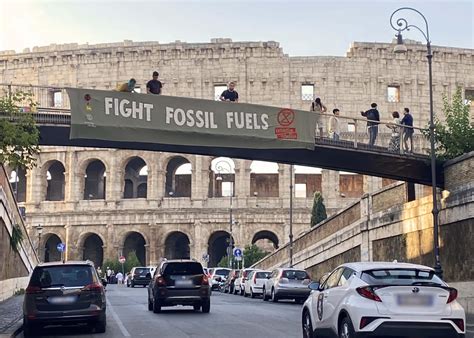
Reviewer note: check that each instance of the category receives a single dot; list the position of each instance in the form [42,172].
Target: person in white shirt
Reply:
[109,274]
[119,276]
[334,128]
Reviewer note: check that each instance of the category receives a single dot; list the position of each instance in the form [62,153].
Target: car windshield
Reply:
[400,277]
[188,268]
[142,271]
[222,272]
[292,274]
[67,276]
[262,274]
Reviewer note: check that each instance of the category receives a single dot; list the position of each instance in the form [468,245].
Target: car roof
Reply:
[60,263]
[361,266]
[180,261]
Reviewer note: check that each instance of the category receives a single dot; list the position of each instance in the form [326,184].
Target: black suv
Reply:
[139,276]
[179,282]
[64,293]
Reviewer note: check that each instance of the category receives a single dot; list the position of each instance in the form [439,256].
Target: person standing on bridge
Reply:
[319,108]
[408,130]
[334,128]
[230,94]
[154,86]
[128,87]
[373,119]
[394,145]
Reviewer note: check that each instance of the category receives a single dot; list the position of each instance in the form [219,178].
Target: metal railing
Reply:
[54,108]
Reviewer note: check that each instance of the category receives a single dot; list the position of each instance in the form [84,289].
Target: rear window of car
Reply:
[141,271]
[292,274]
[400,277]
[188,268]
[222,272]
[262,274]
[66,275]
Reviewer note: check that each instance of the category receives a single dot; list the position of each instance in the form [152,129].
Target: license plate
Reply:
[414,300]
[142,276]
[183,283]
[62,300]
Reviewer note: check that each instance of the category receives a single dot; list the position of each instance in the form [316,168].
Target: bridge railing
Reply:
[54,108]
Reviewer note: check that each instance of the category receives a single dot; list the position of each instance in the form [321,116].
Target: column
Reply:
[284,181]
[330,188]
[242,179]
[199,187]
[153,192]
[366,243]
[70,177]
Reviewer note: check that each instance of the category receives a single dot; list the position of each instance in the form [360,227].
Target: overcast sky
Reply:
[302,27]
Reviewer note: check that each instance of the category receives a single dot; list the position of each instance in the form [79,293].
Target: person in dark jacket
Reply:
[407,131]
[373,118]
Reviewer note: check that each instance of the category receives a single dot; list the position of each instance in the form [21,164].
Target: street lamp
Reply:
[220,167]
[402,25]
[291,216]
[39,229]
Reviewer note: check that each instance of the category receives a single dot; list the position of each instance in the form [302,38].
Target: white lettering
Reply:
[126,112]
[137,109]
[200,119]
[230,119]
[255,122]
[264,118]
[116,106]
[239,123]
[148,108]
[190,122]
[248,121]
[108,105]
[213,124]
[169,114]
[179,117]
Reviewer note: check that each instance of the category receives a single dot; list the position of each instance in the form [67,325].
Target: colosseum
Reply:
[105,202]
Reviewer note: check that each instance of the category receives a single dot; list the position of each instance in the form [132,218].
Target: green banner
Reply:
[133,117]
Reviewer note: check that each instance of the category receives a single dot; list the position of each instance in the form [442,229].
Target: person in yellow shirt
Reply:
[127,86]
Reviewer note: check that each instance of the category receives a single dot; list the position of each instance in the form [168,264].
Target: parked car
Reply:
[218,275]
[286,283]
[253,285]
[239,282]
[179,282]
[378,298]
[229,284]
[64,293]
[140,275]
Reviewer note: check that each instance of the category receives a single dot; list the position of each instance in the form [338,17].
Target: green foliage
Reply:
[17,237]
[19,140]
[132,261]
[19,292]
[224,262]
[252,254]
[455,136]
[318,213]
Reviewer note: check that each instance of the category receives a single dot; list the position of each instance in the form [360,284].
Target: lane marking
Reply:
[117,320]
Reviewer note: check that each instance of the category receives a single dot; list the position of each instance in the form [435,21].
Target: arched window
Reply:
[177,246]
[135,179]
[93,249]
[266,240]
[55,182]
[134,241]
[218,245]
[222,177]
[307,181]
[178,177]
[94,181]
[18,183]
[264,180]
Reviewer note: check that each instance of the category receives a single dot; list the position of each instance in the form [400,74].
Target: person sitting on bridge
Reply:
[373,119]
[230,94]
[127,86]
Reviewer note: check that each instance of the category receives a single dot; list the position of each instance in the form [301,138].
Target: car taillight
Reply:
[30,290]
[459,323]
[369,293]
[94,287]
[364,321]
[255,278]
[205,280]
[453,294]
[160,281]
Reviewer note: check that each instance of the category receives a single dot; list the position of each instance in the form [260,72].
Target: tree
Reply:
[131,261]
[252,254]
[456,136]
[19,135]
[318,213]
[224,262]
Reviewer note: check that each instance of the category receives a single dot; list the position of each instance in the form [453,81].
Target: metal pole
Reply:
[435,211]
[291,216]
[230,239]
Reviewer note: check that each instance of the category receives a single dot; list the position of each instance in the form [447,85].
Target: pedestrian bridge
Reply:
[350,153]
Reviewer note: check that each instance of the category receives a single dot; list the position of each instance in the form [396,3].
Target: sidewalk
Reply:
[11,314]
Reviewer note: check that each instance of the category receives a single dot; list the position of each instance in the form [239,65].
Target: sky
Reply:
[302,27]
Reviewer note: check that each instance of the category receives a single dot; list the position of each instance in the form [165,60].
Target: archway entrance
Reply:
[55,182]
[178,178]
[266,240]
[135,179]
[94,181]
[177,246]
[135,242]
[51,253]
[217,247]
[93,249]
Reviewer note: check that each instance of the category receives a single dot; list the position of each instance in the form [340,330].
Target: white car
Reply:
[240,280]
[253,285]
[383,299]
[217,275]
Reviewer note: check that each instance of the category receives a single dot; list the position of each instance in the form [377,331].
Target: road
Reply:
[231,317]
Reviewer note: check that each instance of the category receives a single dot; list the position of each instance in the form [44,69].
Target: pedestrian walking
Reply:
[408,130]
[99,272]
[394,145]
[119,277]
[373,119]
[109,274]
[334,128]
[230,94]
[154,86]
[128,86]
[319,108]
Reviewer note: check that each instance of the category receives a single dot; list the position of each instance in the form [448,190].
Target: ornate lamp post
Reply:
[224,166]
[400,25]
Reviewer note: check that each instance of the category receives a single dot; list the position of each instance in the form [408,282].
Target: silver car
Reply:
[254,282]
[287,283]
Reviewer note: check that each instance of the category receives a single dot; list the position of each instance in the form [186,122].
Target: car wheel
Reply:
[274,296]
[252,295]
[346,329]
[156,306]
[30,330]
[150,305]
[242,291]
[264,295]
[197,307]
[235,291]
[101,324]
[206,306]
[307,326]
[132,285]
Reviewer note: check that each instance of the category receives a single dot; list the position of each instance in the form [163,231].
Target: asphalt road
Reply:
[231,317]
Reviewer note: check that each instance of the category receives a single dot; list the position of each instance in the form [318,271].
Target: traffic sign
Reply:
[61,247]
[237,252]
[122,259]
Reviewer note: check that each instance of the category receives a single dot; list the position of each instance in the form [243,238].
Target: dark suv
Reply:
[179,282]
[139,276]
[64,293]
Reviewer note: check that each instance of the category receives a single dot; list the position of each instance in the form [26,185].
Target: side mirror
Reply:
[313,286]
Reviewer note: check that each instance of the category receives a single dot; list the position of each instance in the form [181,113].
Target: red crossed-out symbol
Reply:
[286,117]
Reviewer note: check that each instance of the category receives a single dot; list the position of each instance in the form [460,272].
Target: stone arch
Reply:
[178,184]
[222,177]
[217,246]
[94,180]
[264,179]
[177,246]
[135,241]
[91,247]
[54,173]
[135,175]
[18,181]
[266,240]
[50,251]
